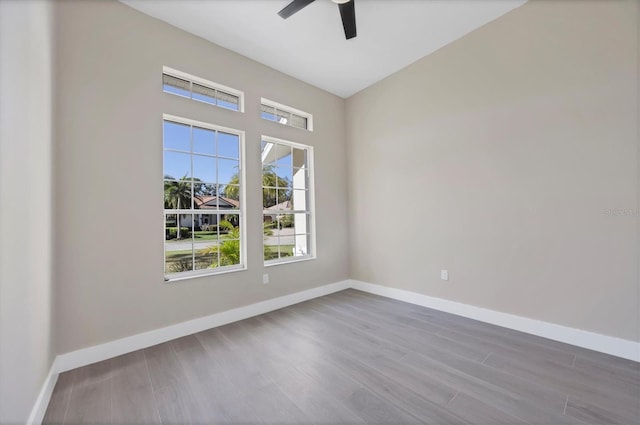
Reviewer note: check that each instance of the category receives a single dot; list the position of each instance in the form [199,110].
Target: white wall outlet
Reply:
[265,278]
[444,274]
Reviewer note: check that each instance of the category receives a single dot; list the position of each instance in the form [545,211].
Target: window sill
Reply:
[287,261]
[204,273]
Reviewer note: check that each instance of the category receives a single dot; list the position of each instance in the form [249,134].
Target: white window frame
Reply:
[311,198]
[289,109]
[209,84]
[241,211]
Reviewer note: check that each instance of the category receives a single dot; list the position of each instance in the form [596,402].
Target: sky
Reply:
[180,141]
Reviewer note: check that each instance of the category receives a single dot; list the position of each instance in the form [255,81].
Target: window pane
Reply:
[228,171]
[176,136]
[177,165]
[269,197]
[205,189]
[268,113]
[284,199]
[298,121]
[268,154]
[229,239]
[204,141]
[285,176]
[268,176]
[204,168]
[283,155]
[205,241]
[206,258]
[175,85]
[178,261]
[302,245]
[227,100]
[282,116]
[301,223]
[230,196]
[204,94]
[229,145]
[300,178]
[299,157]
[177,194]
[299,200]
[178,245]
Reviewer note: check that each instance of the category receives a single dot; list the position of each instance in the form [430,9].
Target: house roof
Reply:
[286,205]
[216,202]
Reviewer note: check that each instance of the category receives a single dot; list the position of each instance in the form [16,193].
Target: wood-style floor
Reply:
[353,357]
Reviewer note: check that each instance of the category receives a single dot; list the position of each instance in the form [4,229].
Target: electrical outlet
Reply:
[444,274]
[265,278]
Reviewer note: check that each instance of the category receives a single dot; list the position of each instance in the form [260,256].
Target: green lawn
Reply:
[199,235]
[181,260]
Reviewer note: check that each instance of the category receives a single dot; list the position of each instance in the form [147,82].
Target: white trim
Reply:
[42,402]
[311,211]
[590,340]
[216,86]
[288,260]
[175,277]
[118,347]
[202,124]
[603,343]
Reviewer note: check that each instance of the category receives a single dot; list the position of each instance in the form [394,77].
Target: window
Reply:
[203,198]
[196,88]
[282,114]
[287,201]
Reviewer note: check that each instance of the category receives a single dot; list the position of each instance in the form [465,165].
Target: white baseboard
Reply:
[590,340]
[126,345]
[606,344]
[40,406]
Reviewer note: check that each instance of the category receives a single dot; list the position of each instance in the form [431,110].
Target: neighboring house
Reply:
[214,204]
[277,209]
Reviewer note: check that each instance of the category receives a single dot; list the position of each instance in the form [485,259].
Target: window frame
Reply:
[312,255]
[242,215]
[284,108]
[193,79]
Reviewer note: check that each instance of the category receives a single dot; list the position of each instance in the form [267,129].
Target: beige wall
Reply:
[498,158]
[26,140]
[109,169]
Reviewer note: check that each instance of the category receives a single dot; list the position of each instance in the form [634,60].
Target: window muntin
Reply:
[287,201]
[196,88]
[203,198]
[286,115]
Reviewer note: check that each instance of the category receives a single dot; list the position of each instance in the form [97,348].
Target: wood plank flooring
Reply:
[353,358]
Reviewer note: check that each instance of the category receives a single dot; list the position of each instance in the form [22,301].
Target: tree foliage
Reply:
[270,180]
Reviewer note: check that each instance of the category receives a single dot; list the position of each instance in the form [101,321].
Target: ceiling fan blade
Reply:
[294,7]
[348,15]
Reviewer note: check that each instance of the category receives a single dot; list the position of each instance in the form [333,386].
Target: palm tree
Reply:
[230,244]
[177,194]
[269,179]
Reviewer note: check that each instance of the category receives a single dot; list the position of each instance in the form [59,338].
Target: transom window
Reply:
[196,88]
[286,115]
[203,198]
[287,201]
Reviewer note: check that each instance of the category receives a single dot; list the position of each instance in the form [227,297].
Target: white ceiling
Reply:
[311,46]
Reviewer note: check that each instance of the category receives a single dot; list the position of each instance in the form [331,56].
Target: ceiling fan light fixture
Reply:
[340,1]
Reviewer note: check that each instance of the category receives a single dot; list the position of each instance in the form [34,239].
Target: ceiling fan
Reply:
[347,13]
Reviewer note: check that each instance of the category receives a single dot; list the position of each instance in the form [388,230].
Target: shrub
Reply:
[172,233]
[181,265]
